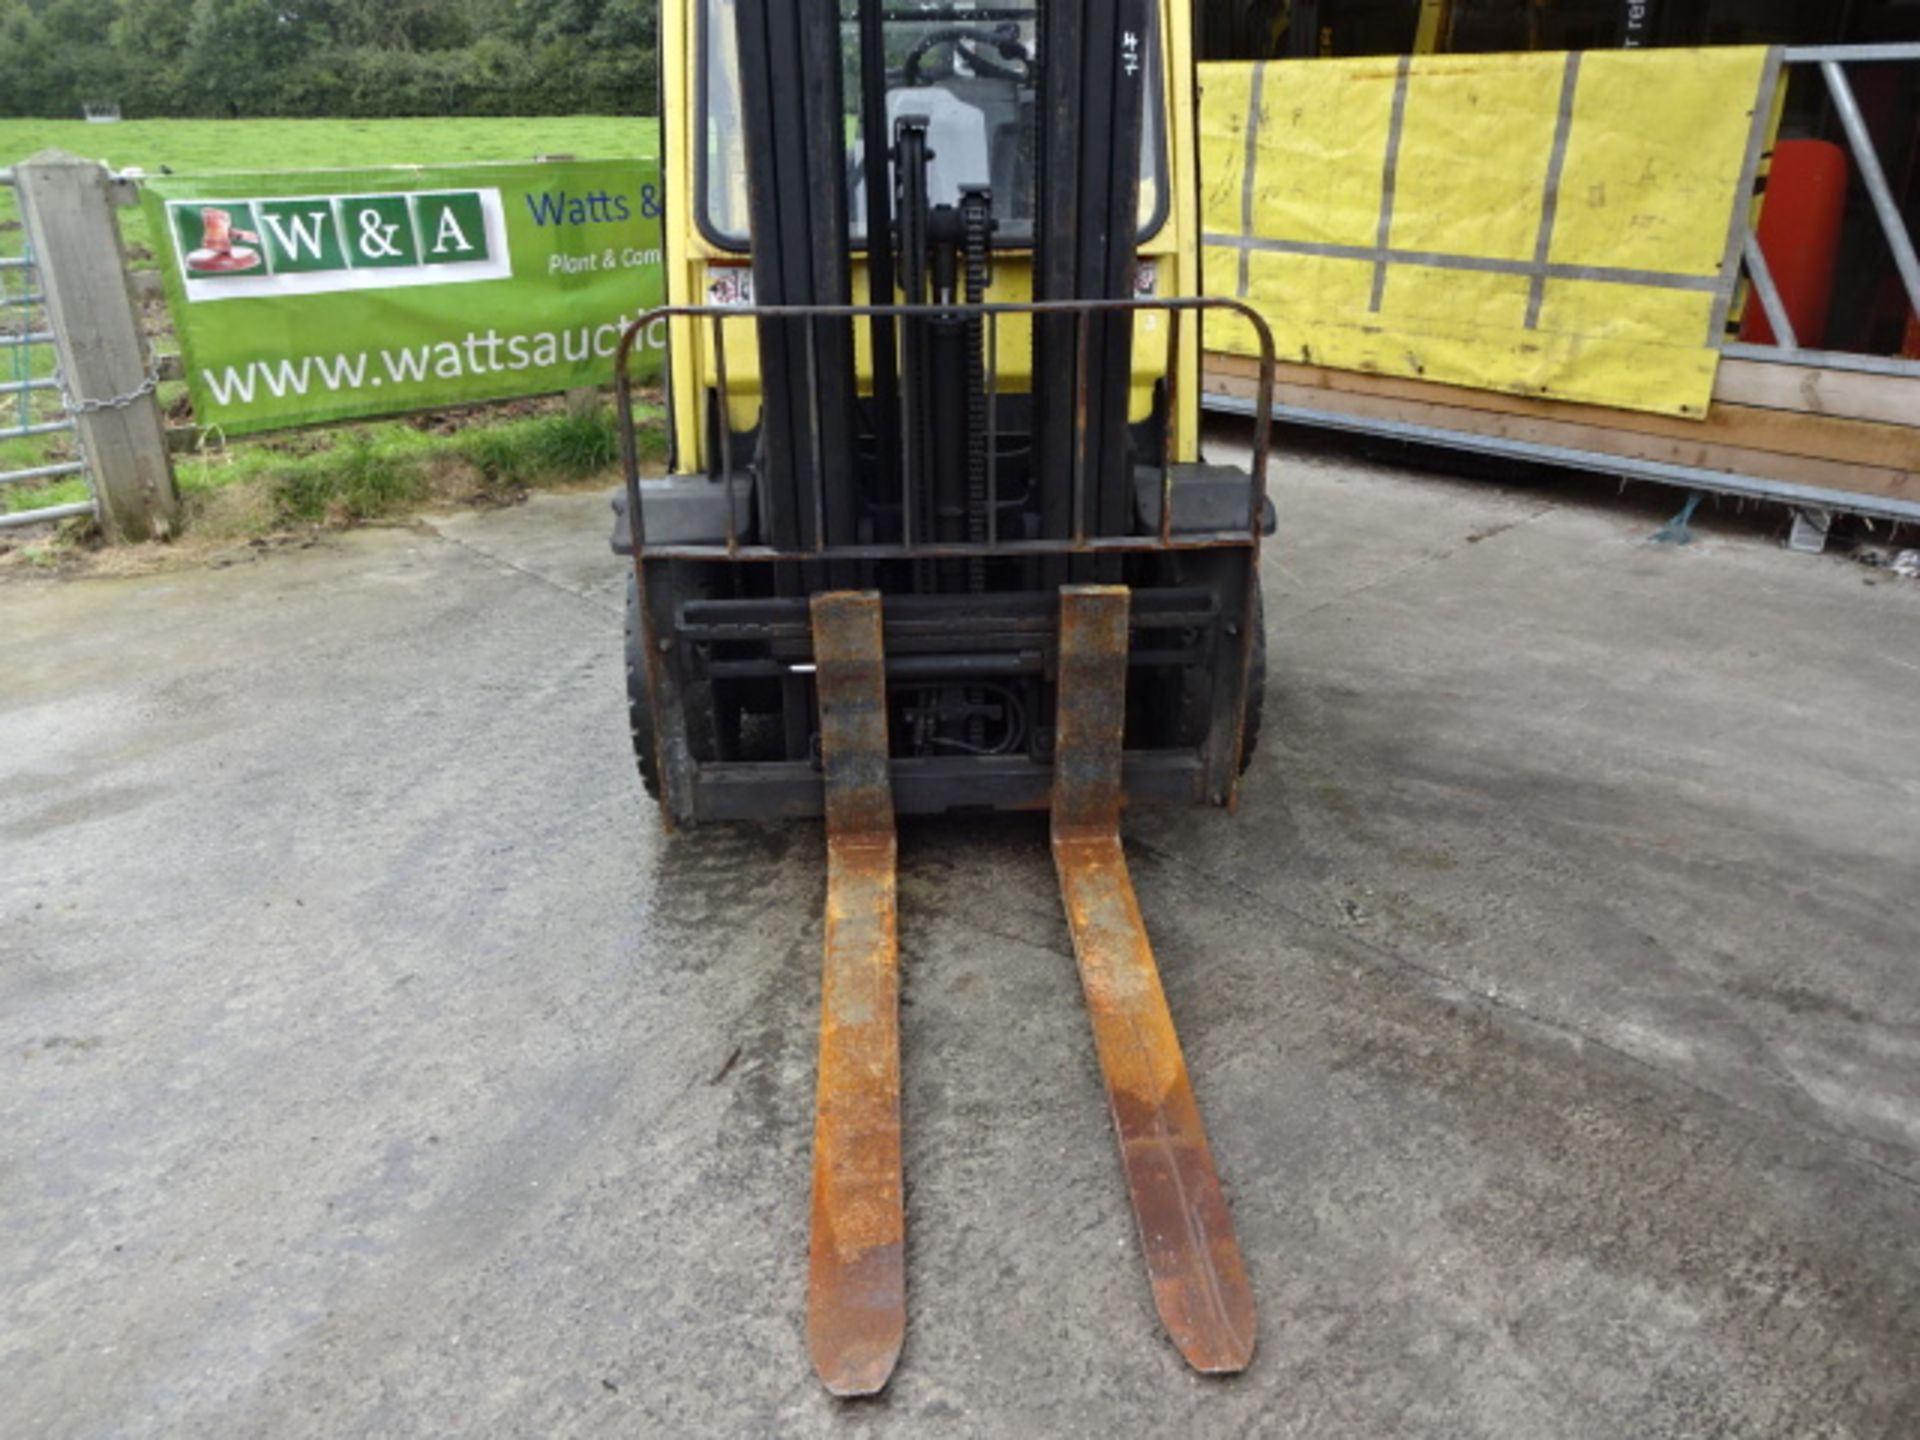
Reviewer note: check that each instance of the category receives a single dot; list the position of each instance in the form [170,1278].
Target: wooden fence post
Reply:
[104,358]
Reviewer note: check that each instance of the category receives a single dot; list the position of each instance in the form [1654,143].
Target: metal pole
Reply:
[1895,51]
[41,517]
[43,472]
[1868,159]
[1770,301]
[48,427]
[19,387]
[877,189]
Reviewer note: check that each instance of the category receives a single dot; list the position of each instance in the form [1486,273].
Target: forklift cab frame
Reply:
[1001,399]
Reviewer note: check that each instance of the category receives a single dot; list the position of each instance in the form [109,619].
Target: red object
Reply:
[1800,236]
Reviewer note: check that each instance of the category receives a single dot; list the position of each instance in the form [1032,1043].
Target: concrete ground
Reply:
[371,1065]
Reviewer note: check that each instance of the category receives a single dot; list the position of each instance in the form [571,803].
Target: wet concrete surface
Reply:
[372,1065]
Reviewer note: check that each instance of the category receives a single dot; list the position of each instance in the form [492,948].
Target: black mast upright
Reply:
[1094,72]
[795,142]
[878,191]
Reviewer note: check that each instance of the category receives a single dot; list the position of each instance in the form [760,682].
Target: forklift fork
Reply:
[856,1310]
[1186,1235]
[857,1285]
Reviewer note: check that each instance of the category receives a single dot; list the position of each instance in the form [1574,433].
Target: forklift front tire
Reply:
[639,703]
[687,581]
[1256,685]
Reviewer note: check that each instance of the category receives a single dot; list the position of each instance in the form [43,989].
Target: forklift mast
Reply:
[937,538]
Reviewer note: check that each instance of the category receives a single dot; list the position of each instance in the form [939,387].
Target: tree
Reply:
[239,53]
[329,57]
[150,37]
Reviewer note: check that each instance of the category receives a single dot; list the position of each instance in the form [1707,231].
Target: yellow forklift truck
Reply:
[935,536]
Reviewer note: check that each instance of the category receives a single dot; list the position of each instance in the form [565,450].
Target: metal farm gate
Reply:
[78,374]
[32,411]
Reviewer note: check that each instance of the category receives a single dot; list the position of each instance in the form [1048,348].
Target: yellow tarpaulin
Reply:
[1551,225]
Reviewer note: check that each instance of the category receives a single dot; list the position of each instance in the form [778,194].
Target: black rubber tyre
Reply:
[689,582]
[639,710]
[1256,684]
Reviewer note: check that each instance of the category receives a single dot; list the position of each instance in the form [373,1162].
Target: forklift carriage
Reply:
[722,701]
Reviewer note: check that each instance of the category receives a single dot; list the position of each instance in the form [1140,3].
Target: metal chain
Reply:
[76,406]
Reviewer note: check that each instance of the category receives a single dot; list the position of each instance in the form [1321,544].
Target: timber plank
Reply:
[1700,451]
[1811,390]
[1745,427]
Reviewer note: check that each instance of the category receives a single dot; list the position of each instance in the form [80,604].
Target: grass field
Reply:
[350,473]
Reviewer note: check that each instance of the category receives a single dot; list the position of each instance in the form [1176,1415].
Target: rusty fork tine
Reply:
[856,1301]
[1186,1235]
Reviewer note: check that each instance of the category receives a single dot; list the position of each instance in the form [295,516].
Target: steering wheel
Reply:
[970,42]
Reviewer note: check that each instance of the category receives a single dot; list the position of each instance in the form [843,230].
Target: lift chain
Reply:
[976,230]
[976,235]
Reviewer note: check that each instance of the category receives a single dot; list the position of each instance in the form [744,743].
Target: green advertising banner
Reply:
[303,297]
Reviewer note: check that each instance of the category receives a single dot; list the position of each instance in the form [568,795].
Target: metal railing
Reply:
[31,406]
[1830,62]
[911,545]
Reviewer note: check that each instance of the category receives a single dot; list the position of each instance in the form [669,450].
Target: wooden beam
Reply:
[1748,427]
[1809,390]
[1698,452]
